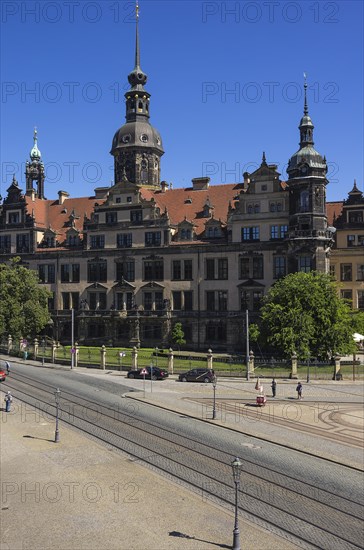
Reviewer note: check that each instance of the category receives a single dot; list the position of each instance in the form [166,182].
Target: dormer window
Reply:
[111,217]
[186,234]
[13,217]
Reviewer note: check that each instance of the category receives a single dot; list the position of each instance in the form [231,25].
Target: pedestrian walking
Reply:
[274,387]
[299,390]
[8,400]
[7,365]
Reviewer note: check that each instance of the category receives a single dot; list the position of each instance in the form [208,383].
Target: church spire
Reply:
[137,78]
[34,170]
[35,154]
[306,126]
[137,145]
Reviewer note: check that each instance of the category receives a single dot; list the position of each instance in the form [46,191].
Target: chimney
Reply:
[164,186]
[200,184]
[62,196]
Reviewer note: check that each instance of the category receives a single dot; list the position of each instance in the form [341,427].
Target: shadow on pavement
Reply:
[184,536]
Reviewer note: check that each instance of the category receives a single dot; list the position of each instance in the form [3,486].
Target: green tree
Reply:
[23,302]
[358,321]
[303,313]
[178,336]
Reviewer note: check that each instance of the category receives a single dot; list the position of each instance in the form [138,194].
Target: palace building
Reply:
[135,258]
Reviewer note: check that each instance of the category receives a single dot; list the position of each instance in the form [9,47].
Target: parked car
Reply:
[2,375]
[197,375]
[157,374]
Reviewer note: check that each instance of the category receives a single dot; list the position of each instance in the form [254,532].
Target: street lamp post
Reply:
[308,369]
[156,356]
[236,466]
[214,383]
[43,350]
[57,395]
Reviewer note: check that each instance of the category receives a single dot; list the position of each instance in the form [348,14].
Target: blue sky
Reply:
[225,77]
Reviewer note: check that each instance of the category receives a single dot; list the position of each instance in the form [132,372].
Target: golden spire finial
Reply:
[137,9]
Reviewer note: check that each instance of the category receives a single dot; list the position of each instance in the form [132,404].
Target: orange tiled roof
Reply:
[333,210]
[186,203]
[51,214]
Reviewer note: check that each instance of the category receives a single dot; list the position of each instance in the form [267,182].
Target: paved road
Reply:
[281,485]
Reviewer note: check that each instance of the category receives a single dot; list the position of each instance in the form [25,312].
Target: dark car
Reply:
[197,375]
[158,374]
[2,375]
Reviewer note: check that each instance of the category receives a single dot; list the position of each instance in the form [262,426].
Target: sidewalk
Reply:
[80,495]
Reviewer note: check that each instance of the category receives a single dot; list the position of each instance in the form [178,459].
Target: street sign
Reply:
[144,371]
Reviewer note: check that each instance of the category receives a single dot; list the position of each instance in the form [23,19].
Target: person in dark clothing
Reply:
[274,387]
[299,390]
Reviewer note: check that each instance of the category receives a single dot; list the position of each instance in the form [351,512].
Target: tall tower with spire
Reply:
[34,170]
[310,241]
[137,145]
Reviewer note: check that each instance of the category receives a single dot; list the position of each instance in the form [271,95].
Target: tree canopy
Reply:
[23,302]
[178,335]
[303,313]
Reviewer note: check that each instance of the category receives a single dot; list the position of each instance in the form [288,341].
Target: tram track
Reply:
[303,513]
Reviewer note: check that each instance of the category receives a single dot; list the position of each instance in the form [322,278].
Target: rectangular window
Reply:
[257,299]
[274,232]
[70,273]
[66,300]
[279,267]
[222,268]
[188,270]
[5,244]
[244,268]
[158,299]
[188,300]
[210,300]
[350,240]
[14,217]
[153,270]
[176,270]
[356,216]
[125,270]
[97,272]
[360,299]
[304,264]
[124,240]
[347,295]
[97,301]
[258,268]
[255,233]
[46,273]
[283,230]
[97,241]
[332,271]
[360,272]
[210,269]
[147,301]
[222,300]
[70,300]
[152,238]
[346,272]
[177,300]
[136,216]
[360,240]
[250,234]
[111,217]
[244,300]
[22,243]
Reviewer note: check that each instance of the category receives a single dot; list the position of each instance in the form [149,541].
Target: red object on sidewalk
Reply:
[261,400]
